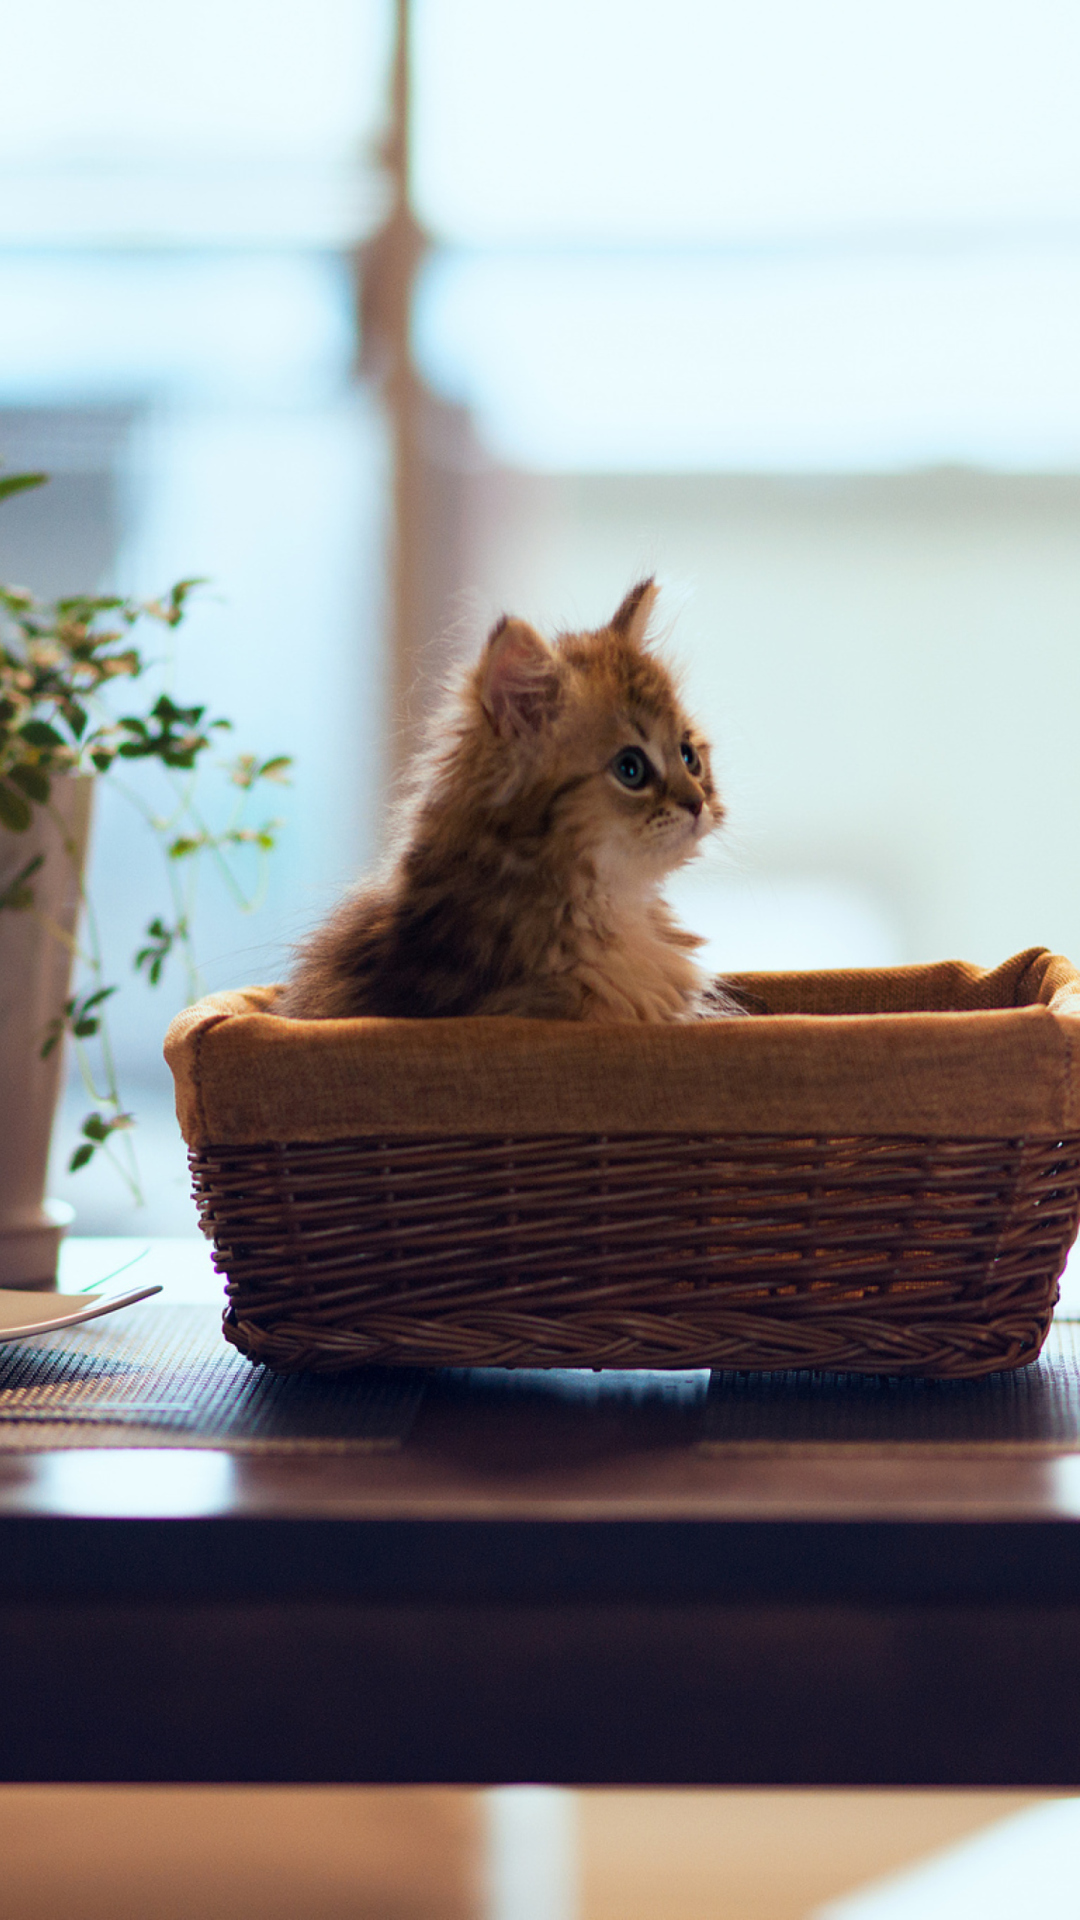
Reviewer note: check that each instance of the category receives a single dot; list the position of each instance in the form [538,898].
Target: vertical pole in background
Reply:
[388,265]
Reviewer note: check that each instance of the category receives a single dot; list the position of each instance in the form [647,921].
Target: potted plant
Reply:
[62,728]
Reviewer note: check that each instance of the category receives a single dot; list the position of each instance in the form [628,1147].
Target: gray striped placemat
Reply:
[164,1376]
[1035,1409]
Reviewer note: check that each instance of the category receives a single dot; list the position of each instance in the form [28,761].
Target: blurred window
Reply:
[215,122]
[785,236]
[782,300]
[182,190]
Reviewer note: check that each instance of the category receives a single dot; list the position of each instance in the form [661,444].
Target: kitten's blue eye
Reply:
[631,768]
[691,757]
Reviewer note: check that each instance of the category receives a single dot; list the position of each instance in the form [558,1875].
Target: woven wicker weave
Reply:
[898,1253]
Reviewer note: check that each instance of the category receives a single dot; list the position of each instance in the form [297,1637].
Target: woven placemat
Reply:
[1034,1409]
[157,1376]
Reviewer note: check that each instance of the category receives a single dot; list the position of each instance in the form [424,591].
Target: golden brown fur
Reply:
[528,880]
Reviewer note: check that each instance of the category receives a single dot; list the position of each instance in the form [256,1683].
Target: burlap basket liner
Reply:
[879,1172]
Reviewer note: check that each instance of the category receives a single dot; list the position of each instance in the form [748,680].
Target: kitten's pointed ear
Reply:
[518,679]
[635,612]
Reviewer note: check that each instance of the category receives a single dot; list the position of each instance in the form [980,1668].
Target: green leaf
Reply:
[33,781]
[88,604]
[173,610]
[176,743]
[17,600]
[15,812]
[95,999]
[167,711]
[20,483]
[253,836]
[154,956]
[246,769]
[96,1129]
[18,894]
[82,1022]
[38,733]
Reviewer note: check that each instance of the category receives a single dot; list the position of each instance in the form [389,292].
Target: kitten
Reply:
[565,785]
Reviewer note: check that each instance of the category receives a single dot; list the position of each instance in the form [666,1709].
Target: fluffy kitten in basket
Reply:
[562,786]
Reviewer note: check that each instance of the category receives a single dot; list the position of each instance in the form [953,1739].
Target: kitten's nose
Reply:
[693,805]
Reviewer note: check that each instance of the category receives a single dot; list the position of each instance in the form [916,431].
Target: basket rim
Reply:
[948,1051]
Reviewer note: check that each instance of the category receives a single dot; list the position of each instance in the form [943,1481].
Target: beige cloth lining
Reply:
[950,1050]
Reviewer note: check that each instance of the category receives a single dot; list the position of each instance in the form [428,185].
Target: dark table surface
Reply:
[559,1578]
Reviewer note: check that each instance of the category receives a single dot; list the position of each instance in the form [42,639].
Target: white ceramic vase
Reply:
[35,977]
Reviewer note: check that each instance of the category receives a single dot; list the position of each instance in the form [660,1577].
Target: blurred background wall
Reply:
[781,302]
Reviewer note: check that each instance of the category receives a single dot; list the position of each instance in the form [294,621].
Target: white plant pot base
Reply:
[29,1254]
[35,975]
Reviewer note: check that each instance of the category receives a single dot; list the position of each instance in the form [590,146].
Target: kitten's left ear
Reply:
[635,612]
[518,679]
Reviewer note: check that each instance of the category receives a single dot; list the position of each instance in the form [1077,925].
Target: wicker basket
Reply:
[878,1173]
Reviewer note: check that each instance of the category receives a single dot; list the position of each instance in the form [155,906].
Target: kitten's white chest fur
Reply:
[632,959]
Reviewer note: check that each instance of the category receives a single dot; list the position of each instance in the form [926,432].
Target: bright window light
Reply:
[714,121]
[213,77]
[220,122]
[789,237]
[231,329]
[841,362]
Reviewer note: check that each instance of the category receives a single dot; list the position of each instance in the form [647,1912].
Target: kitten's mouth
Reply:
[699,826]
[683,836]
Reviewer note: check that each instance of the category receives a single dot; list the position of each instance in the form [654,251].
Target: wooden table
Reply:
[544,1585]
